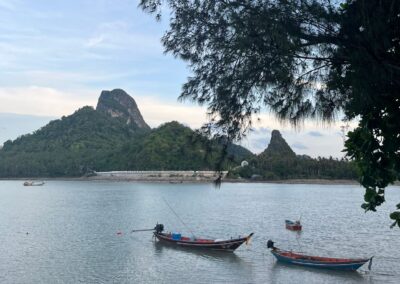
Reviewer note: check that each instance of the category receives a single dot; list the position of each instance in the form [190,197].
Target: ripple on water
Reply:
[72,232]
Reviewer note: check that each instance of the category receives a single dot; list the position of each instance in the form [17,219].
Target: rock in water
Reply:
[117,103]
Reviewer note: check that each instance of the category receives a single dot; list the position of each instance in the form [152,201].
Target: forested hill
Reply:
[111,138]
[279,162]
[65,147]
[277,147]
[173,146]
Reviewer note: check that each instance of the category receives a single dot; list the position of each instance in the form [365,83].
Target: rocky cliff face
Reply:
[278,146]
[117,103]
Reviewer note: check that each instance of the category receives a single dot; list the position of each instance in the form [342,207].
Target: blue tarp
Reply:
[176,236]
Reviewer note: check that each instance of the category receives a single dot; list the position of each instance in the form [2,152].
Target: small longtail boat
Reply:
[293,226]
[349,264]
[177,239]
[33,183]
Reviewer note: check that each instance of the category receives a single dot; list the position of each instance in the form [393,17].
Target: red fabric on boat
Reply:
[294,227]
[204,241]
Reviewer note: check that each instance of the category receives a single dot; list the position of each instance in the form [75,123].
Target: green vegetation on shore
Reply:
[279,162]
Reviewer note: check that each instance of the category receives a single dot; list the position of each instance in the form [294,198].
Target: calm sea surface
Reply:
[72,232]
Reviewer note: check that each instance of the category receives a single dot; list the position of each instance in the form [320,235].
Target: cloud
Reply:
[9,4]
[259,143]
[14,125]
[261,131]
[156,112]
[315,133]
[45,101]
[95,41]
[256,141]
[67,79]
[120,35]
[299,146]
[36,100]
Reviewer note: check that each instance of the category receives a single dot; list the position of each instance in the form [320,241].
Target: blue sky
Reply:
[85,44]
[57,56]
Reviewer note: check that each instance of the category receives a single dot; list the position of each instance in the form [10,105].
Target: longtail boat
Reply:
[293,226]
[349,264]
[177,239]
[33,183]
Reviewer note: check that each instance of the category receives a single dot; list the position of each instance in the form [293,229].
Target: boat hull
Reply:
[225,245]
[293,226]
[33,183]
[335,264]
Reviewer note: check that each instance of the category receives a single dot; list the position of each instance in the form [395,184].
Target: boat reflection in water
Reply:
[204,254]
[280,269]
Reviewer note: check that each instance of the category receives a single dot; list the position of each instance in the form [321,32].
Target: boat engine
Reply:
[159,228]
[270,244]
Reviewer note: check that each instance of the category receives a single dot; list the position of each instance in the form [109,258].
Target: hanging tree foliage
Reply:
[300,59]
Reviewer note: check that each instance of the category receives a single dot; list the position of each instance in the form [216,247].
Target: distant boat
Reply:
[349,264]
[293,226]
[177,239]
[33,183]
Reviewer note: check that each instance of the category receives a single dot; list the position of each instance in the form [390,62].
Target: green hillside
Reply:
[91,140]
[279,162]
[173,146]
[64,147]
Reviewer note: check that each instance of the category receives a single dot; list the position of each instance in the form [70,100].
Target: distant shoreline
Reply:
[299,181]
[186,181]
[178,181]
[227,180]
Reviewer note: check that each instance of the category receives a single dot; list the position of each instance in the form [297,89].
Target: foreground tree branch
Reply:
[300,59]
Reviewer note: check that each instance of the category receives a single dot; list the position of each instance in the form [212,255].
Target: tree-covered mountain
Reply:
[173,146]
[277,147]
[64,147]
[279,161]
[112,137]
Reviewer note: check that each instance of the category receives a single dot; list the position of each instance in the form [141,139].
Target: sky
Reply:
[57,56]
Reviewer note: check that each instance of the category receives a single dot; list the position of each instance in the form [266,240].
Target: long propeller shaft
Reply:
[142,230]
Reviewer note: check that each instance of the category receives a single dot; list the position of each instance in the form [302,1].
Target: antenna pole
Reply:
[186,226]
